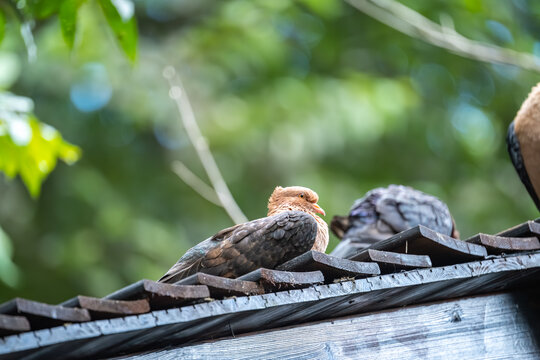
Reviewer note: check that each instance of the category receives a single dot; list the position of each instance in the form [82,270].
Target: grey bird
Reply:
[384,212]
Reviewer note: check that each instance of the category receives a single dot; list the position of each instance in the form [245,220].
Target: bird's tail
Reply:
[339,225]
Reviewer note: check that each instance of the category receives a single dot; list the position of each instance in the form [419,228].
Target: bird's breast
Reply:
[321,241]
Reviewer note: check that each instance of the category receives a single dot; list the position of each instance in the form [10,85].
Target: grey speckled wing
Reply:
[384,212]
[235,251]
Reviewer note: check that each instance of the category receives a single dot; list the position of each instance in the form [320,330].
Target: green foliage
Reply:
[121,19]
[302,92]
[68,20]
[28,147]
[41,9]
[9,273]
[2,25]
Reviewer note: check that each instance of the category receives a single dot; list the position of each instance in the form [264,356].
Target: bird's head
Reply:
[294,198]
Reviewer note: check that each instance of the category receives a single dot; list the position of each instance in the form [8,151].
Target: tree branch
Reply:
[400,17]
[226,200]
[195,182]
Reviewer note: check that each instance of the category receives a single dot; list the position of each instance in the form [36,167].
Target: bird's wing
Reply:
[512,144]
[237,250]
[408,207]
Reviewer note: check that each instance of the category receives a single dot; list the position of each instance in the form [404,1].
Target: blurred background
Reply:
[304,92]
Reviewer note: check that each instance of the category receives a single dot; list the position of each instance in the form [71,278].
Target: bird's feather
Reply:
[383,212]
[512,144]
[232,252]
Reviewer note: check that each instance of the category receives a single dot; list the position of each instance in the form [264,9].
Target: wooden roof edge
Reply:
[72,332]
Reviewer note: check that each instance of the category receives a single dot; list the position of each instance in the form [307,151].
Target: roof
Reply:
[415,266]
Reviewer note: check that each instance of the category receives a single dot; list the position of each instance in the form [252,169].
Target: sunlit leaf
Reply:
[28,147]
[121,18]
[68,20]
[42,9]
[9,273]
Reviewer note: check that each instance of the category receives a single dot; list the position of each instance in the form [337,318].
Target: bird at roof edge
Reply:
[291,228]
[384,212]
[523,142]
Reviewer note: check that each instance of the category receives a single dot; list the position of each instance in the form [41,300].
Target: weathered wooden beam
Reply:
[500,244]
[273,280]
[11,324]
[161,295]
[527,229]
[42,315]
[107,308]
[233,316]
[220,286]
[393,262]
[481,327]
[331,266]
[442,249]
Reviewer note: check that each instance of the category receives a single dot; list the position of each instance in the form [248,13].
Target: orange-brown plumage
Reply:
[300,198]
[523,142]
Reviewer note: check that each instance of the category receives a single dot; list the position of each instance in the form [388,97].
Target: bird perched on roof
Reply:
[291,228]
[523,142]
[383,212]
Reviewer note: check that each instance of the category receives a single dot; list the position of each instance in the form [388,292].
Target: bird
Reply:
[386,211]
[523,143]
[291,228]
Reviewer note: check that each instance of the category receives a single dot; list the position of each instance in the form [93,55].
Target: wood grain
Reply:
[527,229]
[161,295]
[499,244]
[442,249]
[220,286]
[331,266]
[484,327]
[393,262]
[10,324]
[273,280]
[164,328]
[41,315]
[107,308]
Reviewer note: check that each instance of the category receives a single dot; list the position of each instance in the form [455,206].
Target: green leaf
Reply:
[42,9]
[68,20]
[9,273]
[121,18]
[27,146]
[2,25]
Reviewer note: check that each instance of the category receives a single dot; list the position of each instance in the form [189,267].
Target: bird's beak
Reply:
[319,210]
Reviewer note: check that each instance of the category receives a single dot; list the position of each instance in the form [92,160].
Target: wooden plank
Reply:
[161,295]
[273,280]
[527,229]
[220,286]
[240,315]
[500,244]
[10,324]
[486,327]
[331,266]
[442,249]
[393,262]
[106,308]
[42,315]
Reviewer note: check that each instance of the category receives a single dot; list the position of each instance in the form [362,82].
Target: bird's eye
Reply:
[301,195]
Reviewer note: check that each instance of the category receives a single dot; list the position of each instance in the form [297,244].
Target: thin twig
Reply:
[179,95]
[195,182]
[400,17]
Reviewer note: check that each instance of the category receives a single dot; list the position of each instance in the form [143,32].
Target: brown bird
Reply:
[523,142]
[291,228]
[384,212]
